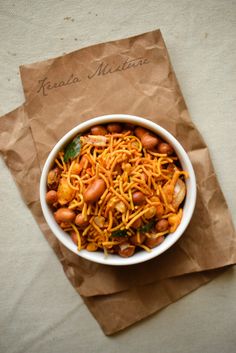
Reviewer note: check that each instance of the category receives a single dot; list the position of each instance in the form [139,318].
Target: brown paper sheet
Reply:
[149,89]
[135,76]
[117,311]
[125,308]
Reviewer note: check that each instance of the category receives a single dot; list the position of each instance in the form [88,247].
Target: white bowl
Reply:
[142,255]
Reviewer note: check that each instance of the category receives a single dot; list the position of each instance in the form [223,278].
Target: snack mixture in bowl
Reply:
[117,188]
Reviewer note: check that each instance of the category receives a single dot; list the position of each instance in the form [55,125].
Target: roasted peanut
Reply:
[159,210]
[137,223]
[126,250]
[51,197]
[80,221]
[134,239]
[64,215]
[148,140]
[53,178]
[162,225]
[94,191]
[165,148]
[151,212]
[154,241]
[159,207]
[98,130]
[138,198]
[114,128]
[140,132]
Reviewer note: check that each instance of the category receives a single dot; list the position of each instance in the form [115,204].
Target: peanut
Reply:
[148,140]
[126,250]
[114,128]
[138,198]
[98,130]
[154,241]
[94,191]
[80,221]
[165,148]
[162,225]
[51,197]
[137,223]
[64,215]
[53,178]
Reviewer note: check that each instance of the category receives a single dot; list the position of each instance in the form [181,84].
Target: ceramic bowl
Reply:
[141,255]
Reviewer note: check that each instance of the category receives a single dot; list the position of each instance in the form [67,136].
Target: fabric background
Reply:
[200,40]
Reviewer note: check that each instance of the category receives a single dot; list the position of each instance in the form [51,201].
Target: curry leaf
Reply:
[147,226]
[119,233]
[72,150]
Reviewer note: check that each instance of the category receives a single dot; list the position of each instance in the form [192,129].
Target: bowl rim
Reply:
[116,260]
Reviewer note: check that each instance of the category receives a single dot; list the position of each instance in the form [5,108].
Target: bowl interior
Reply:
[140,256]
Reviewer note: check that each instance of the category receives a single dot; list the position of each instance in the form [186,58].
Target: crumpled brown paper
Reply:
[132,76]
